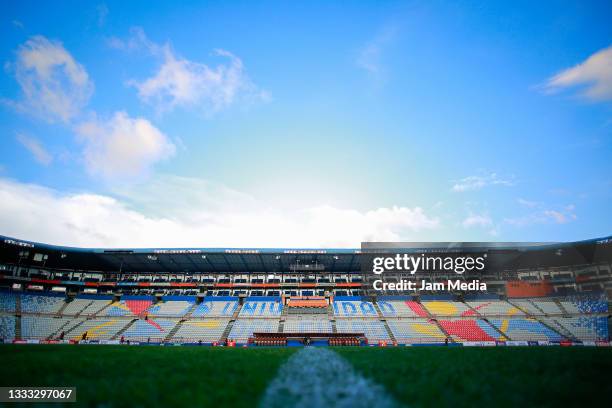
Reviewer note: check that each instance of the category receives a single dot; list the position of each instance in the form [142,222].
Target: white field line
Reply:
[318,377]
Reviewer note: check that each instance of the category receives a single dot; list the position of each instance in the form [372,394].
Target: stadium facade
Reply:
[539,293]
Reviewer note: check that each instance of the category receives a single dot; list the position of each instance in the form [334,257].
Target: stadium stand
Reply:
[441,308]
[470,330]
[7,328]
[172,308]
[401,308]
[261,308]
[134,307]
[8,301]
[495,308]
[243,329]
[215,308]
[584,328]
[353,308]
[41,304]
[98,329]
[526,330]
[408,331]
[307,325]
[39,327]
[374,330]
[154,330]
[205,330]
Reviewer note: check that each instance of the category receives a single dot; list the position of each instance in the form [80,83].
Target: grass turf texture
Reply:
[489,376]
[419,376]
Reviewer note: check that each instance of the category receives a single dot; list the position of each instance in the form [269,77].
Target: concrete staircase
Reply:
[191,310]
[561,307]
[120,332]
[227,331]
[175,329]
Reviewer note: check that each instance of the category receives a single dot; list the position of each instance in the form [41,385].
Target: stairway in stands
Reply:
[98,313]
[230,324]
[561,307]
[83,308]
[173,331]
[191,310]
[497,329]
[435,320]
[66,334]
[56,334]
[18,327]
[384,322]
[120,332]
[61,309]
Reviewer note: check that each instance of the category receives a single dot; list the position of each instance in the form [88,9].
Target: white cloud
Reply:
[370,55]
[35,147]
[122,146]
[472,183]
[475,220]
[185,83]
[212,216]
[594,75]
[102,11]
[528,203]
[54,85]
[562,215]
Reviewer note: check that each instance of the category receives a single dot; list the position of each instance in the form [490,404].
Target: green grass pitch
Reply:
[415,376]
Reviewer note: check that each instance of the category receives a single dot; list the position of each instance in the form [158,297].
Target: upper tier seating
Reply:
[7,327]
[525,330]
[8,301]
[527,306]
[206,330]
[374,330]
[155,330]
[257,308]
[175,308]
[94,307]
[495,308]
[244,328]
[76,306]
[586,305]
[353,308]
[445,308]
[399,308]
[41,304]
[547,306]
[470,330]
[415,331]
[127,308]
[215,308]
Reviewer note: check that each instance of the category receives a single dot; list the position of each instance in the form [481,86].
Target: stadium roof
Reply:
[179,260]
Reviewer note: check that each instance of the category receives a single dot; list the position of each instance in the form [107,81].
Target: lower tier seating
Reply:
[244,328]
[38,327]
[415,331]
[307,326]
[470,330]
[374,330]
[205,330]
[99,329]
[7,328]
[155,330]
[526,330]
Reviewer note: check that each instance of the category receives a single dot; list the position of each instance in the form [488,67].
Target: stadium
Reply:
[277,301]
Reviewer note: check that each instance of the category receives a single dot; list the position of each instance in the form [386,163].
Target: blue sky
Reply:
[305,123]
